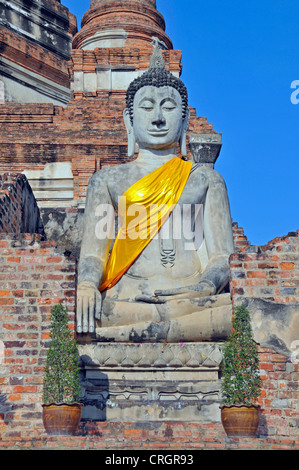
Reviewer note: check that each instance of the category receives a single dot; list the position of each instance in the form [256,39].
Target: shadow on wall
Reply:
[95,395]
[263,430]
[31,219]
[6,410]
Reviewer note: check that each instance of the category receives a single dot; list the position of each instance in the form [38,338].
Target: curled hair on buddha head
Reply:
[157,76]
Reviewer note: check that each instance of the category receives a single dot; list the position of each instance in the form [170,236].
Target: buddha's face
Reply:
[157,121]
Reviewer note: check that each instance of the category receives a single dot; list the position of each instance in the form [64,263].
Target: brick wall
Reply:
[152,436]
[270,272]
[33,277]
[18,208]
[240,240]
[280,395]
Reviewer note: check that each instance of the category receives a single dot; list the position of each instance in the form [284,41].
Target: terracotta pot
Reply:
[61,419]
[240,420]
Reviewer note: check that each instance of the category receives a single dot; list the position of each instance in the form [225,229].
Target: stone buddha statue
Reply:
[163,277]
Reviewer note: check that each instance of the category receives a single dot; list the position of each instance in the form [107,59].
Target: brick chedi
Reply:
[35,44]
[110,23]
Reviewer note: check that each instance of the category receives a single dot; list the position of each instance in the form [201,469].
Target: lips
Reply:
[155,133]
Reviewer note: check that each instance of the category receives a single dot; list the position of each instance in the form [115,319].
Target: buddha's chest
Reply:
[194,191]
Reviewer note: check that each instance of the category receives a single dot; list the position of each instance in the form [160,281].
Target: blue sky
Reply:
[239,61]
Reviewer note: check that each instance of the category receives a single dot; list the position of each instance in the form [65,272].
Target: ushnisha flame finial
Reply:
[157,61]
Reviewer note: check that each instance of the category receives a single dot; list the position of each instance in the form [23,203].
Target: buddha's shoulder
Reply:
[207,173]
[112,173]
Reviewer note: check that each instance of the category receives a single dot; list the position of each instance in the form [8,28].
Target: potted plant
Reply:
[61,385]
[241,382]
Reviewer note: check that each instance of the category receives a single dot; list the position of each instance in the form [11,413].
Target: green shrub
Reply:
[241,383]
[61,375]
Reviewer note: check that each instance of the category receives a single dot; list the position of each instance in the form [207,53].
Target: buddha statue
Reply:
[154,281]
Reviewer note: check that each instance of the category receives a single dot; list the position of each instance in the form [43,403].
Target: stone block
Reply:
[205,148]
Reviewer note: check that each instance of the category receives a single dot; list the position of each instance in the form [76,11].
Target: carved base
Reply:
[151,382]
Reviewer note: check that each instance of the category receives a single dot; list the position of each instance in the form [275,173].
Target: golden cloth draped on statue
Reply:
[154,198]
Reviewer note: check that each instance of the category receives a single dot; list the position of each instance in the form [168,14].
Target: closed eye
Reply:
[168,105]
[146,104]
[169,108]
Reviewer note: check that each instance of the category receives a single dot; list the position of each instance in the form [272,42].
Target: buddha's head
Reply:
[157,114]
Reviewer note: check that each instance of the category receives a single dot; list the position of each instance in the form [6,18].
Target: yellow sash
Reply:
[152,198]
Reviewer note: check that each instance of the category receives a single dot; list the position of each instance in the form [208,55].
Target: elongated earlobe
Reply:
[183,139]
[130,133]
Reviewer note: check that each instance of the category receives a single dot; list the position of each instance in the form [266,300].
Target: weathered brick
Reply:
[5,293]
[287,266]
[54,259]
[256,274]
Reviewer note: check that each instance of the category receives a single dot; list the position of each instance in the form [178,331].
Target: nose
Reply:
[158,118]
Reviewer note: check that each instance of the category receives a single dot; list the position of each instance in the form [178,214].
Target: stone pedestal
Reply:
[151,382]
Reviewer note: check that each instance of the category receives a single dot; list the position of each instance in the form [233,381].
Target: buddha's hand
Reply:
[89,305]
[202,289]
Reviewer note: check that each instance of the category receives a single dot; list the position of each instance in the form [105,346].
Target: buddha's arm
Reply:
[218,234]
[219,242]
[94,253]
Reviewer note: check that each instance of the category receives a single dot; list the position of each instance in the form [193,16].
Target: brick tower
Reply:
[60,147]
[114,45]
[35,45]
[110,23]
